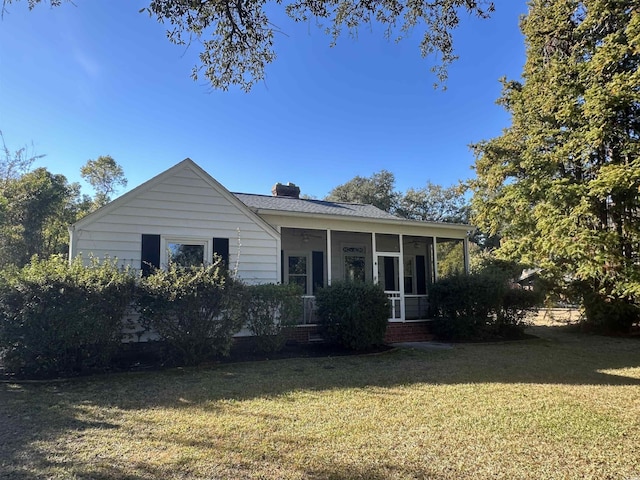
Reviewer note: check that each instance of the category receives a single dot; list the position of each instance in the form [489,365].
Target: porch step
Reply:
[315,338]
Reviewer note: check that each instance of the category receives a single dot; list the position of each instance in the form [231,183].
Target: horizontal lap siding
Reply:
[184,205]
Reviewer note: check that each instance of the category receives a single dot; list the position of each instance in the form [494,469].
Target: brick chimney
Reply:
[289,190]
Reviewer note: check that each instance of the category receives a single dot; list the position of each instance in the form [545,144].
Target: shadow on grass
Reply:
[34,412]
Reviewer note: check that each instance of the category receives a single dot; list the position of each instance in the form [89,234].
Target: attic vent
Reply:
[288,190]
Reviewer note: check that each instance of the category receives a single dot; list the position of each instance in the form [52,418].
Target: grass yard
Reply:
[565,406]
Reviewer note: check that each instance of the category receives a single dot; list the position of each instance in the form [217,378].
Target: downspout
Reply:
[435,259]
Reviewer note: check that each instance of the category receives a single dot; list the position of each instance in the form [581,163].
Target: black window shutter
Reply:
[421,275]
[317,261]
[150,257]
[221,248]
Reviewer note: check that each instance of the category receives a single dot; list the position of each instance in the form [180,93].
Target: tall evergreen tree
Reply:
[562,184]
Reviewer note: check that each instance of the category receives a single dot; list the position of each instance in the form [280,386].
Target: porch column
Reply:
[279,273]
[435,259]
[401,277]
[374,258]
[466,255]
[328,257]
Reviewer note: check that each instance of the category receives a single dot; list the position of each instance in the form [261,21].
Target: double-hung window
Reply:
[298,268]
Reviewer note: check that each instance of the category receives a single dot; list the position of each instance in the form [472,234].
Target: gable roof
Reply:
[187,163]
[322,207]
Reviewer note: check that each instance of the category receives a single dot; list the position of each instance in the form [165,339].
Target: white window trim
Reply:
[166,240]
[298,253]
[414,283]
[344,255]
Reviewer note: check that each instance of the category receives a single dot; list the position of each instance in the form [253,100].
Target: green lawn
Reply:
[564,406]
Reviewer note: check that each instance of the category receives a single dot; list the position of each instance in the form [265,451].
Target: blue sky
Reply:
[99,78]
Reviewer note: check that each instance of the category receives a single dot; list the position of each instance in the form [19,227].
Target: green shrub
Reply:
[608,315]
[270,311]
[58,318]
[480,306]
[195,310]
[355,314]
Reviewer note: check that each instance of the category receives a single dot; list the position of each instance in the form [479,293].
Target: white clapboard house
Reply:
[280,238]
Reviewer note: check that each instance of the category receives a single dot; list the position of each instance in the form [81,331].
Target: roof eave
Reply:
[387,221]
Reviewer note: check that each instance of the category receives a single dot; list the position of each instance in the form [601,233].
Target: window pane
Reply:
[299,280]
[450,257]
[354,268]
[186,255]
[408,275]
[387,243]
[297,265]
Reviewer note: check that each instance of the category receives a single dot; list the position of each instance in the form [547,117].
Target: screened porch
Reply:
[404,264]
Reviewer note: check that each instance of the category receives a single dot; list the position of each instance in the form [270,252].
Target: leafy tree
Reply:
[432,202]
[435,203]
[377,190]
[561,184]
[105,176]
[237,37]
[14,164]
[37,206]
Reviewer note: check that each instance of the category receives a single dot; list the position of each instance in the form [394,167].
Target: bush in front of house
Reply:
[195,310]
[485,305]
[59,318]
[270,310]
[354,314]
[608,315]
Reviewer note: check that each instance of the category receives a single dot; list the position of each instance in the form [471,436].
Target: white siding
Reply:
[181,205]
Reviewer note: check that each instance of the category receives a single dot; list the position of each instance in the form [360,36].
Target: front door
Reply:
[389,278]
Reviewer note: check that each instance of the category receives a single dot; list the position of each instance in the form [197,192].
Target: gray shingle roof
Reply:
[323,207]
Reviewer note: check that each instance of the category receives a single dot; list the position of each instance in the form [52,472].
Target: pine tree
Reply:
[562,183]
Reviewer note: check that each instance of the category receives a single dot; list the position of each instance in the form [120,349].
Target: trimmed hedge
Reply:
[270,311]
[481,306]
[195,310]
[355,314]
[59,319]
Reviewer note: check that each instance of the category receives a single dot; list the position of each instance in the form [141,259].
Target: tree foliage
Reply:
[38,206]
[14,164]
[105,176]
[432,203]
[237,37]
[377,190]
[435,203]
[561,184]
